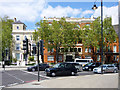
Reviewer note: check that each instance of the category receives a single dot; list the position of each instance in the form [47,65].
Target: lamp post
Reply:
[94,8]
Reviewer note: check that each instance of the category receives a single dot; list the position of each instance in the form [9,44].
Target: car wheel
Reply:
[72,73]
[33,69]
[115,71]
[103,72]
[90,69]
[53,74]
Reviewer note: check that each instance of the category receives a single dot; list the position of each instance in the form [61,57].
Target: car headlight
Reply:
[86,67]
[47,69]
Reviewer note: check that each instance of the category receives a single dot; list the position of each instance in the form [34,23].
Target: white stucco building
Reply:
[19,34]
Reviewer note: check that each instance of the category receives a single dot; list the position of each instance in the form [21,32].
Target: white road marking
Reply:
[36,74]
[2,86]
[15,77]
[12,84]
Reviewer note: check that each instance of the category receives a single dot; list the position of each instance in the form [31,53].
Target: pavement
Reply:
[13,67]
[109,80]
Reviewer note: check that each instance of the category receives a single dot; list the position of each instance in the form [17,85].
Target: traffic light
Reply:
[41,47]
[25,45]
[34,50]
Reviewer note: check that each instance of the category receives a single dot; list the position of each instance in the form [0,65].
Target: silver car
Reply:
[106,68]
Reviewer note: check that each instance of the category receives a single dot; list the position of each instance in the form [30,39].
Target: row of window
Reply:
[114,49]
[18,37]
[51,58]
[71,50]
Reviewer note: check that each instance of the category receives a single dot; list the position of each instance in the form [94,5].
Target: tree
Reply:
[6,33]
[35,36]
[57,34]
[92,34]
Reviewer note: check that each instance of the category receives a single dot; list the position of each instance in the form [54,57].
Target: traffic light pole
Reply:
[38,62]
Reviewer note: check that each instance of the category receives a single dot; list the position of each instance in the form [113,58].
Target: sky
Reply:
[32,11]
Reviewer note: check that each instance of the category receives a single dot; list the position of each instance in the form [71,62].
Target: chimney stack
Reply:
[15,19]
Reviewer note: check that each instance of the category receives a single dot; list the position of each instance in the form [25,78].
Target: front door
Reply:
[69,59]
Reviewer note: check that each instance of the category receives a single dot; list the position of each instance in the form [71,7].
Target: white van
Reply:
[83,61]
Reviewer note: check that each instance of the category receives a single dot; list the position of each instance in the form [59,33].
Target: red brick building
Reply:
[111,55]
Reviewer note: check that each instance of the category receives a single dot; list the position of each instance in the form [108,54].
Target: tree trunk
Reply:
[57,54]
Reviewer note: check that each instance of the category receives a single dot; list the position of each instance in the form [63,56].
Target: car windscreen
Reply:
[89,64]
[56,65]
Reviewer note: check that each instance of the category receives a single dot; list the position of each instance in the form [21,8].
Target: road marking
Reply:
[36,74]
[2,86]
[12,84]
[15,77]
[111,74]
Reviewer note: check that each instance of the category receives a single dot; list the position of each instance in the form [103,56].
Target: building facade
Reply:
[19,34]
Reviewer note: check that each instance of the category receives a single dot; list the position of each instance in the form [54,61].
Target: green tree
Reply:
[57,34]
[91,36]
[6,33]
[35,36]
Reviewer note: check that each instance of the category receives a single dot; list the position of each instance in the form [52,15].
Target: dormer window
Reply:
[17,27]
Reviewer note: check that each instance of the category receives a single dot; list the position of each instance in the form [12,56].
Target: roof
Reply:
[18,22]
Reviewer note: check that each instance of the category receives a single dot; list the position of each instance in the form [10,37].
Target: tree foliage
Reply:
[92,34]
[6,33]
[57,34]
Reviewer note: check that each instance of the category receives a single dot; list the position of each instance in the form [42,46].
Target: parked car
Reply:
[42,67]
[117,65]
[106,68]
[78,66]
[91,66]
[61,69]
[83,61]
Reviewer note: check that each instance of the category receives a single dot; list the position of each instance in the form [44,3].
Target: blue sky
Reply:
[32,11]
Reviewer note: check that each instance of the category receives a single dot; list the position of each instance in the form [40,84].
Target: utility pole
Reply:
[38,62]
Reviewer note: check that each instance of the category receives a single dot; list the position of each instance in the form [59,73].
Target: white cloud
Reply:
[86,12]
[60,11]
[109,12]
[24,11]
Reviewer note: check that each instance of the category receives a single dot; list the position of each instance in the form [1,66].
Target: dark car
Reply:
[42,67]
[61,69]
[91,66]
[77,65]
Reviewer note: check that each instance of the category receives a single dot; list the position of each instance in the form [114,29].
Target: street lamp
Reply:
[94,8]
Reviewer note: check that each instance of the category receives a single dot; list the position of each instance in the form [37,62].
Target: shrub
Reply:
[14,60]
[31,58]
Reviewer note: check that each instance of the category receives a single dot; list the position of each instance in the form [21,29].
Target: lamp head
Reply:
[94,7]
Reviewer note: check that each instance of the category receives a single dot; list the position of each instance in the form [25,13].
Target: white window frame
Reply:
[114,48]
[86,50]
[60,58]
[16,56]
[50,58]
[89,50]
[98,57]
[18,27]
[17,37]
[17,45]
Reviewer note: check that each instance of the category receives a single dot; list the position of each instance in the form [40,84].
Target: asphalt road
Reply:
[14,77]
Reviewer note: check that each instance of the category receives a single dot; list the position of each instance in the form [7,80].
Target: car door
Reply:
[61,70]
[69,68]
[111,68]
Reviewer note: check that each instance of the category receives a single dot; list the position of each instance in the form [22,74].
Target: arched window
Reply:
[18,27]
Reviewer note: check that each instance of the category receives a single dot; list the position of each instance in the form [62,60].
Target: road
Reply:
[14,77]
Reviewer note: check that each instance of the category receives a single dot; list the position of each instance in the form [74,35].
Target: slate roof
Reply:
[18,22]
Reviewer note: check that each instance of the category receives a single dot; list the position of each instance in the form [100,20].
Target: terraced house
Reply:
[20,33]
